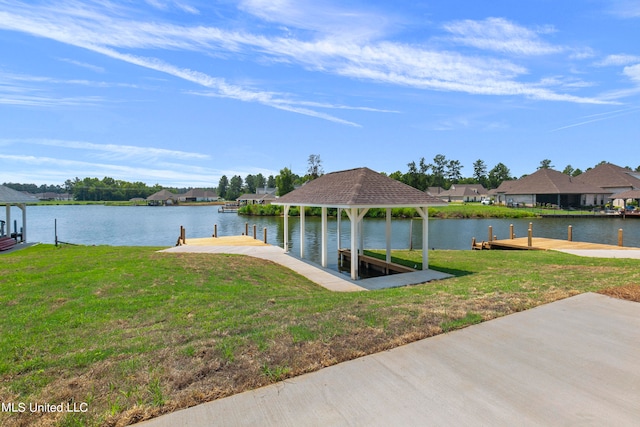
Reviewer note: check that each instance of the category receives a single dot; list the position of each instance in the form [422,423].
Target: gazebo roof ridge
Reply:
[358,187]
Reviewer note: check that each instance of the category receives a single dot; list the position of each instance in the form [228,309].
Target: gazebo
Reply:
[356,191]
[626,195]
[9,197]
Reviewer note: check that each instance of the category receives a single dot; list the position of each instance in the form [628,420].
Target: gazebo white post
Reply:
[388,235]
[353,216]
[424,214]
[324,237]
[339,219]
[8,220]
[23,207]
[286,228]
[301,231]
[361,233]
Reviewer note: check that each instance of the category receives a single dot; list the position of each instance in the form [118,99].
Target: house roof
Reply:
[199,192]
[9,195]
[547,181]
[629,194]
[462,190]
[163,195]
[252,196]
[359,187]
[608,175]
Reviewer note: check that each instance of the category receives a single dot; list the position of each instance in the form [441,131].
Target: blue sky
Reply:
[180,92]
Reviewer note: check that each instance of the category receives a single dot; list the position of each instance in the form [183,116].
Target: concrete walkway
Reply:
[604,253]
[326,278]
[572,362]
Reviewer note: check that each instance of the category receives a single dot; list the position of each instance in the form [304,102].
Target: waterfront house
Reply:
[613,180]
[199,195]
[162,197]
[256,199]
[464,193]
[548,187]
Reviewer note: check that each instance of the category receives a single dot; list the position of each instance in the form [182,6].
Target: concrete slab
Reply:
[278,255]
[572,362]
[610,253]
[326,278]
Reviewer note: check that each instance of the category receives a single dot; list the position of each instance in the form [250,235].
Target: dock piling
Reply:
[215,230]
[620,237]
[246,228]
[511,233]
[570,233]
[265,235]
[490,233]
[530,236]
[254,232]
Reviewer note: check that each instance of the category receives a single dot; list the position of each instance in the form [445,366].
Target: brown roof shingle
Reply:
[547,181]
[608,175]
[359,187]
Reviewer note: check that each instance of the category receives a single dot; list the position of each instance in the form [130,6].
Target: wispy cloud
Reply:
[167,5]
[501,35]
[599,117]
[625,8]
[355,53]
[52,169]
[83,65]
[618,60]
[114,151]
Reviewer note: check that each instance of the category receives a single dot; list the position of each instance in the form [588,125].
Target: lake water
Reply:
[160,226]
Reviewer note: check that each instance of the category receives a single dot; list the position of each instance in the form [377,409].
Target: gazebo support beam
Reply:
[8,209]
[388,234]
[301,231]
[285,238]
[355,216]
[424,214]
[324,237]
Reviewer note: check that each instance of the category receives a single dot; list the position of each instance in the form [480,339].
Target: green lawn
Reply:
[134,333]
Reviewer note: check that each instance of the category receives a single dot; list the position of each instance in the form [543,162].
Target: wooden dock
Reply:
[225,241]
[543,244]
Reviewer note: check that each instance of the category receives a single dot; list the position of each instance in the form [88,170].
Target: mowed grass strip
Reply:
[134,333]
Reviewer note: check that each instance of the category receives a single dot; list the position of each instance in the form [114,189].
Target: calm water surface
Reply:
[160,226]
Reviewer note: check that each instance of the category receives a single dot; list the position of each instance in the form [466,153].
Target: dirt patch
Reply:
[629,292]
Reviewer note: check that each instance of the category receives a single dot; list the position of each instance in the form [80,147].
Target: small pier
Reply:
[229,208]
[377,264]
[243,240]
[543,243]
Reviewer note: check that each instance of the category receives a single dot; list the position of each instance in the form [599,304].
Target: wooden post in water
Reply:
[620,237]
[570,234]
[182,234]
[246,228]
[265,235]
[254,232]
[511,233]
[490,233]
[215,230]
[473,243]
[530,236]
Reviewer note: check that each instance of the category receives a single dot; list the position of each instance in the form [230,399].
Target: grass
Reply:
[134,333]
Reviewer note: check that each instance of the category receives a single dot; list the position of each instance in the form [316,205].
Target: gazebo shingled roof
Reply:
[356,191]
[9,196]
[359,187]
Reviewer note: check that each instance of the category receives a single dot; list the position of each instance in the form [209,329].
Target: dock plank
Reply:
[543,243]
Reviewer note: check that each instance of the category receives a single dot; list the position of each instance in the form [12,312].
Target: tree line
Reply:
[440,172]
